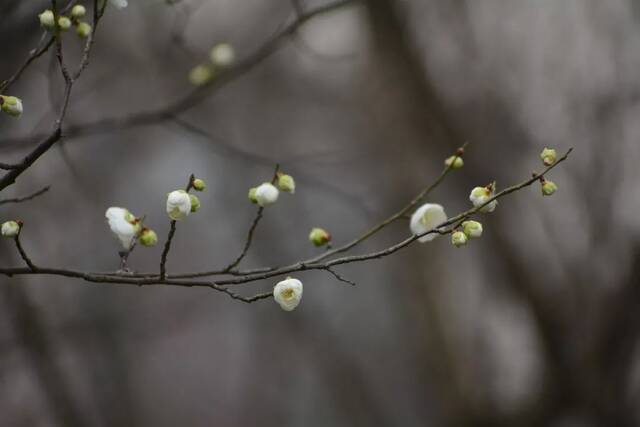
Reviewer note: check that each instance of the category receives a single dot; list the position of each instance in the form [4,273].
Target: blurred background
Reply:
[535,324]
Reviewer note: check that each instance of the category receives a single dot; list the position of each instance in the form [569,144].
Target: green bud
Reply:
[78,11]
[286,183]
[548,187]
[83,30]
[200,75]
[195,203]
[548,156]
[11,228]
[148,237]
[458,239]
[472,229]
[199,185]
[252,195]
[456,160]
[319,236]
[11,105]
[64,23]
[47,19]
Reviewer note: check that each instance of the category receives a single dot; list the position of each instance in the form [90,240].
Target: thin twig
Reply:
[25,198]
[252,229]
[23,254]
[339,277]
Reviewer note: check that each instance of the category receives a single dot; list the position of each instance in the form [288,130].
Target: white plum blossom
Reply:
[119,4]
[266,194]
[425,218]
[123,224]
[288,293]
[10,229]
[473,229]
[222,55]
[479,196]
[178,204]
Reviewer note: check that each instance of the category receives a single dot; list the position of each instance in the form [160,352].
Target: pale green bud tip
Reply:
[78,11]
[195,203]
[64,23]
[548,188]
[11,228]
[548,156]
[252,195]
[458,239]
[319,236]
[148,237]
[286,183]
[199,185]
[472,229]
[200,75]
[83,30]
[11,105]
[47,19]
[454,162]
[222,55]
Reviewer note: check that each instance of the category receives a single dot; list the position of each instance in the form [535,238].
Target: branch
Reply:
[26,198]
[172,232]
[247,277]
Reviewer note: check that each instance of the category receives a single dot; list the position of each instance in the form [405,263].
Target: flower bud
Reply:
[472,229]
[200,75]
[47,19]
[199,185]
[548,156]
[252,195]
[148,237]
[10,229]
[222,55]
[83,30]
[11,105]
[195,203]
[548,187]
[426,218]
[78,11]
[266,194]
[456,161]
[286,183]
[119,4]
[480,195]
[288,293]
[178,204]
[64,23]
[319,236]
[458,239]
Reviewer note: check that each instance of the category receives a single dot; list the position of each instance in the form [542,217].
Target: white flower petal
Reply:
[425,218]
[120,226]
[178,204]
[266,194]
[288,293]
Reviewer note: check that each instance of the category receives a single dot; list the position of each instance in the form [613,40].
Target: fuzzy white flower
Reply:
[479,196]
[266,194]
[47,19]
[119,4]
[425,218]
[10,229]
[473,229]
[123,224]
[288,293]
[222,55]
[178,204]
[11,105]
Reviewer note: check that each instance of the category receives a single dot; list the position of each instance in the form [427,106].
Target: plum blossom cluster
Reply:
[51,22]
[221,56]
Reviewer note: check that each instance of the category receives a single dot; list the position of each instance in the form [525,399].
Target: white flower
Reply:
[473,229]
[288,293]
[425,218]
[178,204]
[47,19]
[10,229]
[459,239]
[119,4]
[222,55]
[266,194]
[11,105]
[123,224]
[479,195]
